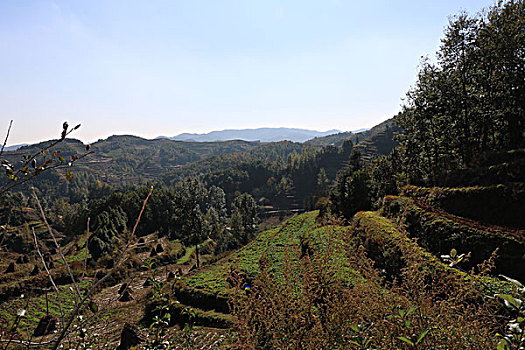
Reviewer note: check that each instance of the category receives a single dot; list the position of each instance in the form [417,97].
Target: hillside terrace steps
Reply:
[499,205]
[438,232]
[209,288]
[392,249]
[431,200]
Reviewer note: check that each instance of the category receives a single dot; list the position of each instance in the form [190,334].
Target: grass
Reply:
[393,247]
[80,256]
[37,307]
[272,244]
[189,253]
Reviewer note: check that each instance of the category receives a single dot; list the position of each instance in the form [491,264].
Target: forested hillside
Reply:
[129,159]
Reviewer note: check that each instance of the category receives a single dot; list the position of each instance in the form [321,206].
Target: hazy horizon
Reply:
[172,67]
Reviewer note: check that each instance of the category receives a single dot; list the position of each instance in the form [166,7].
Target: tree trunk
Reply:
[197,254]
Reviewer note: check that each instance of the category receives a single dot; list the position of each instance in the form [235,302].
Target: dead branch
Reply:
[122,259]
[7,136]
[49,275]
[50,230]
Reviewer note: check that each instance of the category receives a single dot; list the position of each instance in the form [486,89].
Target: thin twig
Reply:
[140,215]
[28,344]
[15,326]
[100,281]
[50,230]
[49,275]
[9,185]
[54,143]
[7,136]
[86,248]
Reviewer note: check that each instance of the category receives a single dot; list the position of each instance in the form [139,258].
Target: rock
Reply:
[100,274]
[35,271]
[153,252]
[46,325]
[122,288]
[129,337]
[110,264]
[171,276]
[126,296]
[10,268]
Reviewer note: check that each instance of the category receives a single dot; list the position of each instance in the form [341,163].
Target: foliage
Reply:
[514,337]
[471,100]
[308,305]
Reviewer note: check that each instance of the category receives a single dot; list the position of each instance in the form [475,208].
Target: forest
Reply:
[409,235]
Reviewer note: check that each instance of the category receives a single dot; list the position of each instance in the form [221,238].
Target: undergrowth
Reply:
[317,303]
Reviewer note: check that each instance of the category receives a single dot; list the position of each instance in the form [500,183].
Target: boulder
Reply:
[129,337]
[10,268]
[153,252]
[126,296]
[122,288]
[46,325]
[35,271]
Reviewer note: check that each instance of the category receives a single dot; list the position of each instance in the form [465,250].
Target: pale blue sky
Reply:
[154,68]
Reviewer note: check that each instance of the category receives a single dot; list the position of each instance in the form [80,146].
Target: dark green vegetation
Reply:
[416,220]
[121,160]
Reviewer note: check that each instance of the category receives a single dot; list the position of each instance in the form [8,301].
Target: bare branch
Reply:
[7,136]
[140,215]
[86,249]
[9,185]
[87,296]
[50,230]
[27,343]
[49,275]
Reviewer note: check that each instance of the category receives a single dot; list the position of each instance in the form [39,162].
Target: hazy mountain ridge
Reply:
[14,147]
[259,134]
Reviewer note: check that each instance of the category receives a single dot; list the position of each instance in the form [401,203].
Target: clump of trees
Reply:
[189,212]
[472,99]
[468,103]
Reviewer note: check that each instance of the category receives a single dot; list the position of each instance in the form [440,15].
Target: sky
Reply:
[151,68]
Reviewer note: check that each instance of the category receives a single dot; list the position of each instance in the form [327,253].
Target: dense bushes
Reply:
[439,234]
[311,305]
[497,205]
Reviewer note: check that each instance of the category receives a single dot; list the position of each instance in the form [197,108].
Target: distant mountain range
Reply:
[260,134]
[14,147]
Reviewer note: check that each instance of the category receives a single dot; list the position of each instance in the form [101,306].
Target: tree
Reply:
[217,202]
[244,218]
[322,182]
[190,196]
[108,225]
[472,100]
